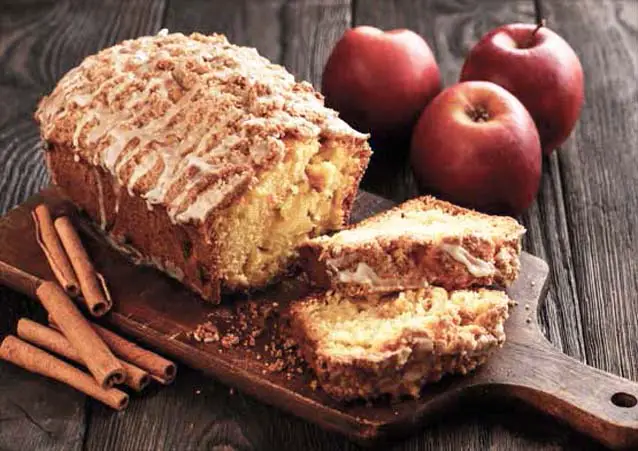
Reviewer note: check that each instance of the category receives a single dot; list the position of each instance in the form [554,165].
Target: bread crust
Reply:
[145,236]
[395,262]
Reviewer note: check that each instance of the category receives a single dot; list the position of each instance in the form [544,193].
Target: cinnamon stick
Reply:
[54,341]
[98,358]
[35,360]
[52,248]
[92,284]
[162,370]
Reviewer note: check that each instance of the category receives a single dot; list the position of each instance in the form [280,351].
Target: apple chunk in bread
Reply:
[305,195]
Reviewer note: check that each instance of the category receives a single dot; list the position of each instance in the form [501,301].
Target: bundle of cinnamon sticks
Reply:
[69,261]
[70,334]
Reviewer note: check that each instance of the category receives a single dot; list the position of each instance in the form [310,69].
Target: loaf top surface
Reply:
[424,218]
[187,122]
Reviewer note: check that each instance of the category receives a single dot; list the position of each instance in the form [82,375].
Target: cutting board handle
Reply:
[597,403]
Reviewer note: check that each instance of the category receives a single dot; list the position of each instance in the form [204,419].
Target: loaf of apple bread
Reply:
[200,158]
[393,344]
[422,241]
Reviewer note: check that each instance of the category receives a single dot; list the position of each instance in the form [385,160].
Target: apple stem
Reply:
[538,8]
[540,25]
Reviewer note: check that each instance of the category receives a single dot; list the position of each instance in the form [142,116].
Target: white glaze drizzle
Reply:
[475,266]
[100,198]
[233,109]
[117,191]
[363,274]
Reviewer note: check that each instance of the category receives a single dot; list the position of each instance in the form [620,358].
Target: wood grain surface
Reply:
[583,222]
[162,314]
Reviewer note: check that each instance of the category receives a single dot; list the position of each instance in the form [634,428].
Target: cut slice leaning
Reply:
[422,241]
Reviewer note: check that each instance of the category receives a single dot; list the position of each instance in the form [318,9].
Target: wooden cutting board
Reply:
[160,313]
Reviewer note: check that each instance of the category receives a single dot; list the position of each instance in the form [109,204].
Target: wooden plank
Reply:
[194,413]
[39,42]
[451,29]
[598,169]
[39,45]
[310,30]
[244,22]
[26,422]
[215,418]
[197,411]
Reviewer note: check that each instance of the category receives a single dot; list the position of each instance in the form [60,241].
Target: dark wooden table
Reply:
[584,222]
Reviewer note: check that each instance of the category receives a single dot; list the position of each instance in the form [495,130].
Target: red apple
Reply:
[540,69]
[476,145]
[380,81]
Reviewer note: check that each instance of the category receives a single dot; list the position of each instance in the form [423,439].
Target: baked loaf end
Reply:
[201,157]
[392,345]
[422,241]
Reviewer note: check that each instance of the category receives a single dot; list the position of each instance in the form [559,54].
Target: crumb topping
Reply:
[433,224]
[188,122]
[255,328]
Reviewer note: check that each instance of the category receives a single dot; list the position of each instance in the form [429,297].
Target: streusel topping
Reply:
[188,122]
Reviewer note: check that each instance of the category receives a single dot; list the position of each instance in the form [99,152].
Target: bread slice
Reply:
[393,344]
[422,241]
[201,158]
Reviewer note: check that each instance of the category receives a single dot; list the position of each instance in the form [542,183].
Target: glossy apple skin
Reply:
[492,166]
[542,71]
[380,81]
